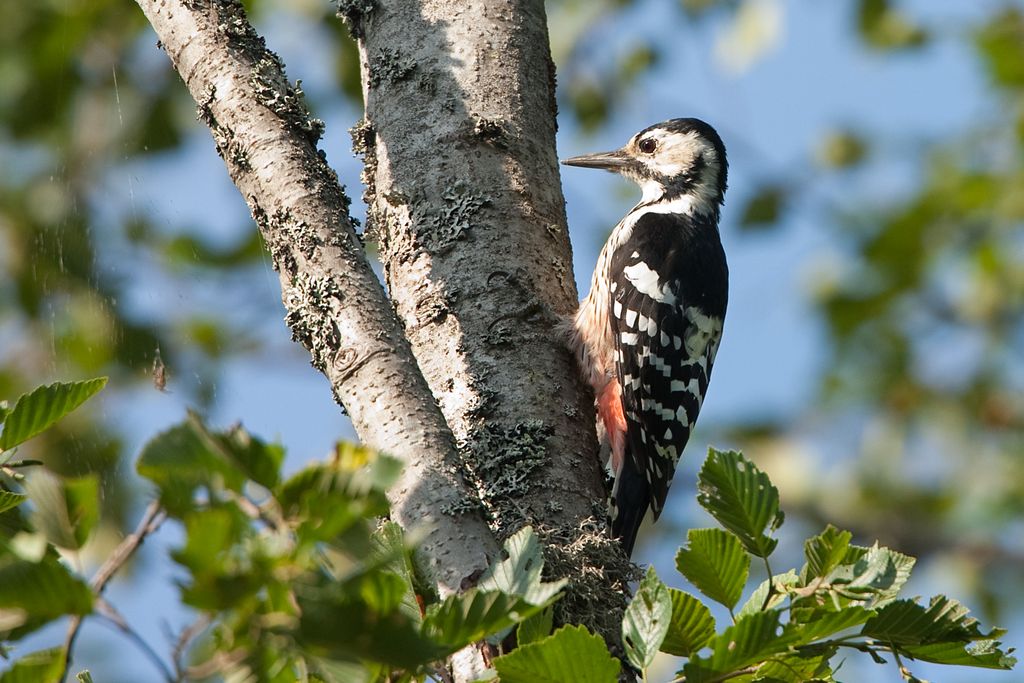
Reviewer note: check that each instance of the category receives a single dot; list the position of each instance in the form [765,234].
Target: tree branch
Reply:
[336,306]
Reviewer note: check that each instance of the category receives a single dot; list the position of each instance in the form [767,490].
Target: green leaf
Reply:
[984,654]
[41,591]
[646,620]
[782,583]
[841,149]
[815,624]
[536,627]
[570,654]
[40,408]
[714,561]
[43,666]
[691,626]
[764,208]
[752,639]
[904,622]
[876,575]
[471,616]
[886,28]
[741,498]
[520,573]
[390,548]
[800,668]
[8,500]
[826,551]
[65,510]
[1001,43]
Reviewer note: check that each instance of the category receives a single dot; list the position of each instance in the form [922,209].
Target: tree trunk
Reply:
[465,202]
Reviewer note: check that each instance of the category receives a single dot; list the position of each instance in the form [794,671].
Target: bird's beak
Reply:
[610,161]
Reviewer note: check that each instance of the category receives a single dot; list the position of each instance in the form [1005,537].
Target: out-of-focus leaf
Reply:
[65,510]
[691,627]
[647,620]
[764,208]
[40,408]
[742,498]
[1001,43]
[841,149]
[9,500]
[590,104]
[44,590]
[42,666]
[886,28]
[570,654]
[714,561]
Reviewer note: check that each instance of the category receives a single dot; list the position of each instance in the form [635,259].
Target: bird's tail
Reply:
[631,495]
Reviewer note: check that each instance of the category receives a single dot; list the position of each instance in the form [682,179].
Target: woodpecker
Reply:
[647,333]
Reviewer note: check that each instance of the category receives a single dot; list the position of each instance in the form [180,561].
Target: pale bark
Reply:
[464,199]
[336,306]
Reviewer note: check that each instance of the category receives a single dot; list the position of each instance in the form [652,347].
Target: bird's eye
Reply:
[647,145]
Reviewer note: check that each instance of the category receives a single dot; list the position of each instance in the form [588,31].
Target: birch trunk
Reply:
[336,306]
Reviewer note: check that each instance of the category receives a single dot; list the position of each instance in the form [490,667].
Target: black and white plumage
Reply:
[647,334]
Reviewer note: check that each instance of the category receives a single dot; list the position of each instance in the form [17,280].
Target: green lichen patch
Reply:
[310,302]
[438,230]
[390,66]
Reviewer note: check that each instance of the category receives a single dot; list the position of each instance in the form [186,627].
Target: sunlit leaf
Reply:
[570,654]
[983,653]
[714,561]
[647,620]
[752,639]
[691,626]
[40,408]
[904,622]
[42,666]
[826,550]
[741,498]
[781,585]
[536,627]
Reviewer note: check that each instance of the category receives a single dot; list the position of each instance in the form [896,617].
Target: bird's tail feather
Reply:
[631,496]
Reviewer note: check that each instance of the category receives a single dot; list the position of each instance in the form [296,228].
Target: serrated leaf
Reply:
[714,561]
[691,625]
[821,623]
[752,639]
[536,627]
[520,573]
[904,622]
[471,616]
[9,499]
[876,575]
[570,654]
[43,666]
[741,497]
[39,409]
[391,550]
[826,551]
[782,585]
[984,654]
[646,620]
[810,667]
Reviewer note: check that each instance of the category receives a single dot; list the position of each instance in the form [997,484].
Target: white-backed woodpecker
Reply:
[647,334]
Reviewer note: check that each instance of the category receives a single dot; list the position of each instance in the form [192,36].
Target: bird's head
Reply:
[681,161]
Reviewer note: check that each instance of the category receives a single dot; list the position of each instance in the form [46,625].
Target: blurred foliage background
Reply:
[886,223]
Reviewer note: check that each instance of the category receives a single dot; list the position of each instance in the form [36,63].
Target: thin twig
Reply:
[182,641]
[151,521]
[110,616]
